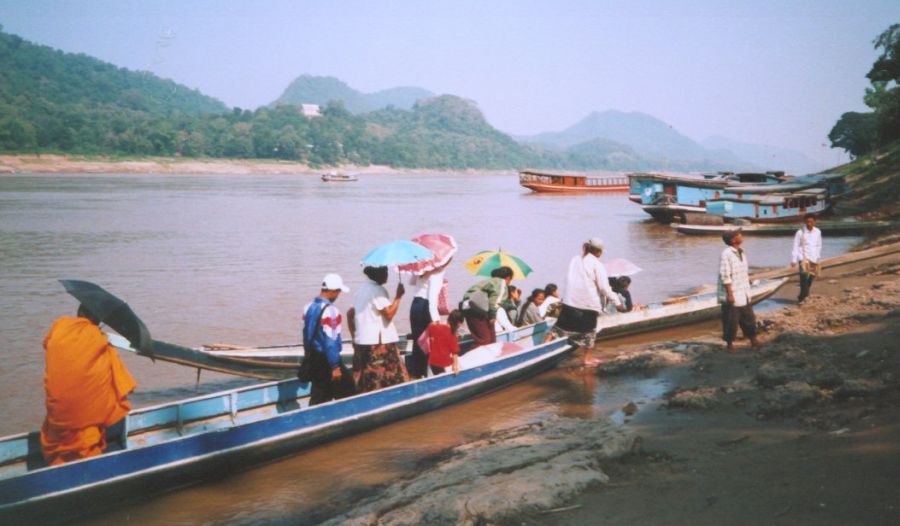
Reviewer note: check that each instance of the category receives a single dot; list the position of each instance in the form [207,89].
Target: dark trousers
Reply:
[437,370]
[733,316]
[481,329]
[327,390]
[419,318]
[805,284]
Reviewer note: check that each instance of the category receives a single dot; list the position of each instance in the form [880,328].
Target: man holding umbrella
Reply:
[86,387]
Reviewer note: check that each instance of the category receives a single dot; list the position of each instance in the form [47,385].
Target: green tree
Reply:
[854,132]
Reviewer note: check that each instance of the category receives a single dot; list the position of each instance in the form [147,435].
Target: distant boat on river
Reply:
[335,177]
[568,182]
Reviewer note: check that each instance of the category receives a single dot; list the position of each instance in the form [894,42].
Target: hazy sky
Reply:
[767,72]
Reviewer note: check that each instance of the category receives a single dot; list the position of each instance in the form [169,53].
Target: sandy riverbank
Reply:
[806,431]
[61,164]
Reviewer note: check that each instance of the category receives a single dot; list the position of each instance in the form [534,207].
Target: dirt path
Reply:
[805,432]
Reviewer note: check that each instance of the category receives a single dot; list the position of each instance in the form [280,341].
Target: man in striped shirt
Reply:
[734,292]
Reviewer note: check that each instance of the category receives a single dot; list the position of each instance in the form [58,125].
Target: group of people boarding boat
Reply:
[87,385]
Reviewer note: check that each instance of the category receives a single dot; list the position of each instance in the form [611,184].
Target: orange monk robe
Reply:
[86,386]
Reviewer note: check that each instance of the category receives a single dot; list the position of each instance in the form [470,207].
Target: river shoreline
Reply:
[807,431]
[71,164]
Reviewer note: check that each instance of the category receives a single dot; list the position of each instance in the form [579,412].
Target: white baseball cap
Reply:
[334,282]
[596,242]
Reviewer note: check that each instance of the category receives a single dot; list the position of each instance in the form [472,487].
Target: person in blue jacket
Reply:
[322,343]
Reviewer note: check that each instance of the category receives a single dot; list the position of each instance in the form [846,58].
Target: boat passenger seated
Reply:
[508,312]
[530,312]
[86,387]
[619,285]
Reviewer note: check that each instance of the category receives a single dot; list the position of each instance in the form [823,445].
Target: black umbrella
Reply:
[112,311]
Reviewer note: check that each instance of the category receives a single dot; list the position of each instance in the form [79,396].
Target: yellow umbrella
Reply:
[487,261]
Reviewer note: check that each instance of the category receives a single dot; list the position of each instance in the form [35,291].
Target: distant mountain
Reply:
[653,141]
[309,89]
[767,157]
[445,132]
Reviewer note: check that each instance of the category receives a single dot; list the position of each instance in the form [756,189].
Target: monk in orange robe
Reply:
[86,386]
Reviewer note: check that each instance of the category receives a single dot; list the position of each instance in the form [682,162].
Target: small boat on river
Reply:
[335,177]
[567,182]
[176,443]
[281,361]
[678,311]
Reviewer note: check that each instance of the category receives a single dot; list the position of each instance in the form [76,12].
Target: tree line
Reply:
[860,133]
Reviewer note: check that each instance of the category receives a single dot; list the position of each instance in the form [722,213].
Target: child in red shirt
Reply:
[443,345]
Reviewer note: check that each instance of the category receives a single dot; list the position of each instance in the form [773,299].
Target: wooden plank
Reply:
[844,259]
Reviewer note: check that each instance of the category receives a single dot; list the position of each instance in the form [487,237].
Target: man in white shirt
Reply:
[806,252]
[586,280]
[734,291]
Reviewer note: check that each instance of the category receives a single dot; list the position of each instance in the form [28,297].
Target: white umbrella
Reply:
[621,267]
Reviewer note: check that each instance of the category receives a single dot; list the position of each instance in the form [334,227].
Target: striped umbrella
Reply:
[487,261]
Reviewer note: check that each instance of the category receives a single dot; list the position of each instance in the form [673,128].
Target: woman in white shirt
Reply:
[376,358]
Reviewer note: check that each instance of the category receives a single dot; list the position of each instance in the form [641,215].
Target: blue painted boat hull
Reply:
[56,493]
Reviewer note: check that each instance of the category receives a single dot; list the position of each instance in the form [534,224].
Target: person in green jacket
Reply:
[480,304]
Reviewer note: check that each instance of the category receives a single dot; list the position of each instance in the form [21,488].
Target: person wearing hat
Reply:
[734,291]
[322,343]
[586,282]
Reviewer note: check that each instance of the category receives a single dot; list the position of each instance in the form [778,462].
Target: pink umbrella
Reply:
[621,267]
[442,245]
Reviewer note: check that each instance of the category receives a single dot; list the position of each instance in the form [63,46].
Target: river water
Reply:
[234,258]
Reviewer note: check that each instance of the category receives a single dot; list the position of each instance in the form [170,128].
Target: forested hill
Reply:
[51,101]
[54,99]
[310,89]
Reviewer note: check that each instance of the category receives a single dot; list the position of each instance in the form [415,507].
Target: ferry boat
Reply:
[683,199]
[770,208]
[567,182]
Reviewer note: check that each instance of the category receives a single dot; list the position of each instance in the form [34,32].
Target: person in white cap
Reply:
[322,344]
[586,281]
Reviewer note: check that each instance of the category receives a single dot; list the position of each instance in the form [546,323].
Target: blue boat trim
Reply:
[292,422]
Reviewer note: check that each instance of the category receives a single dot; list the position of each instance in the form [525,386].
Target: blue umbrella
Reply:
[399,252]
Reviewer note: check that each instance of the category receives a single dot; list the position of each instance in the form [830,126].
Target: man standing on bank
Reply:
[734,292]
[806,252]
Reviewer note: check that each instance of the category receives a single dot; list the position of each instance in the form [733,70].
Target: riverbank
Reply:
[805,431]
[61,164]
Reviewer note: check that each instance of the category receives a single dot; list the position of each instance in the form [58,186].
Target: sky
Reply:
[768,72]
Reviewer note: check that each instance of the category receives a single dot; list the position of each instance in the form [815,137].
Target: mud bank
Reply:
[806,431]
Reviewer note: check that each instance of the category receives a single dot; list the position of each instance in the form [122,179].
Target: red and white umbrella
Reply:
[443,247]
[621,267]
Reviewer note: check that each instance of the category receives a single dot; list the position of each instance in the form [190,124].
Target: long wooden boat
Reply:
[674,312]
[274,362]
[182,442]
[567,182]
[831,228]
[281,361]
